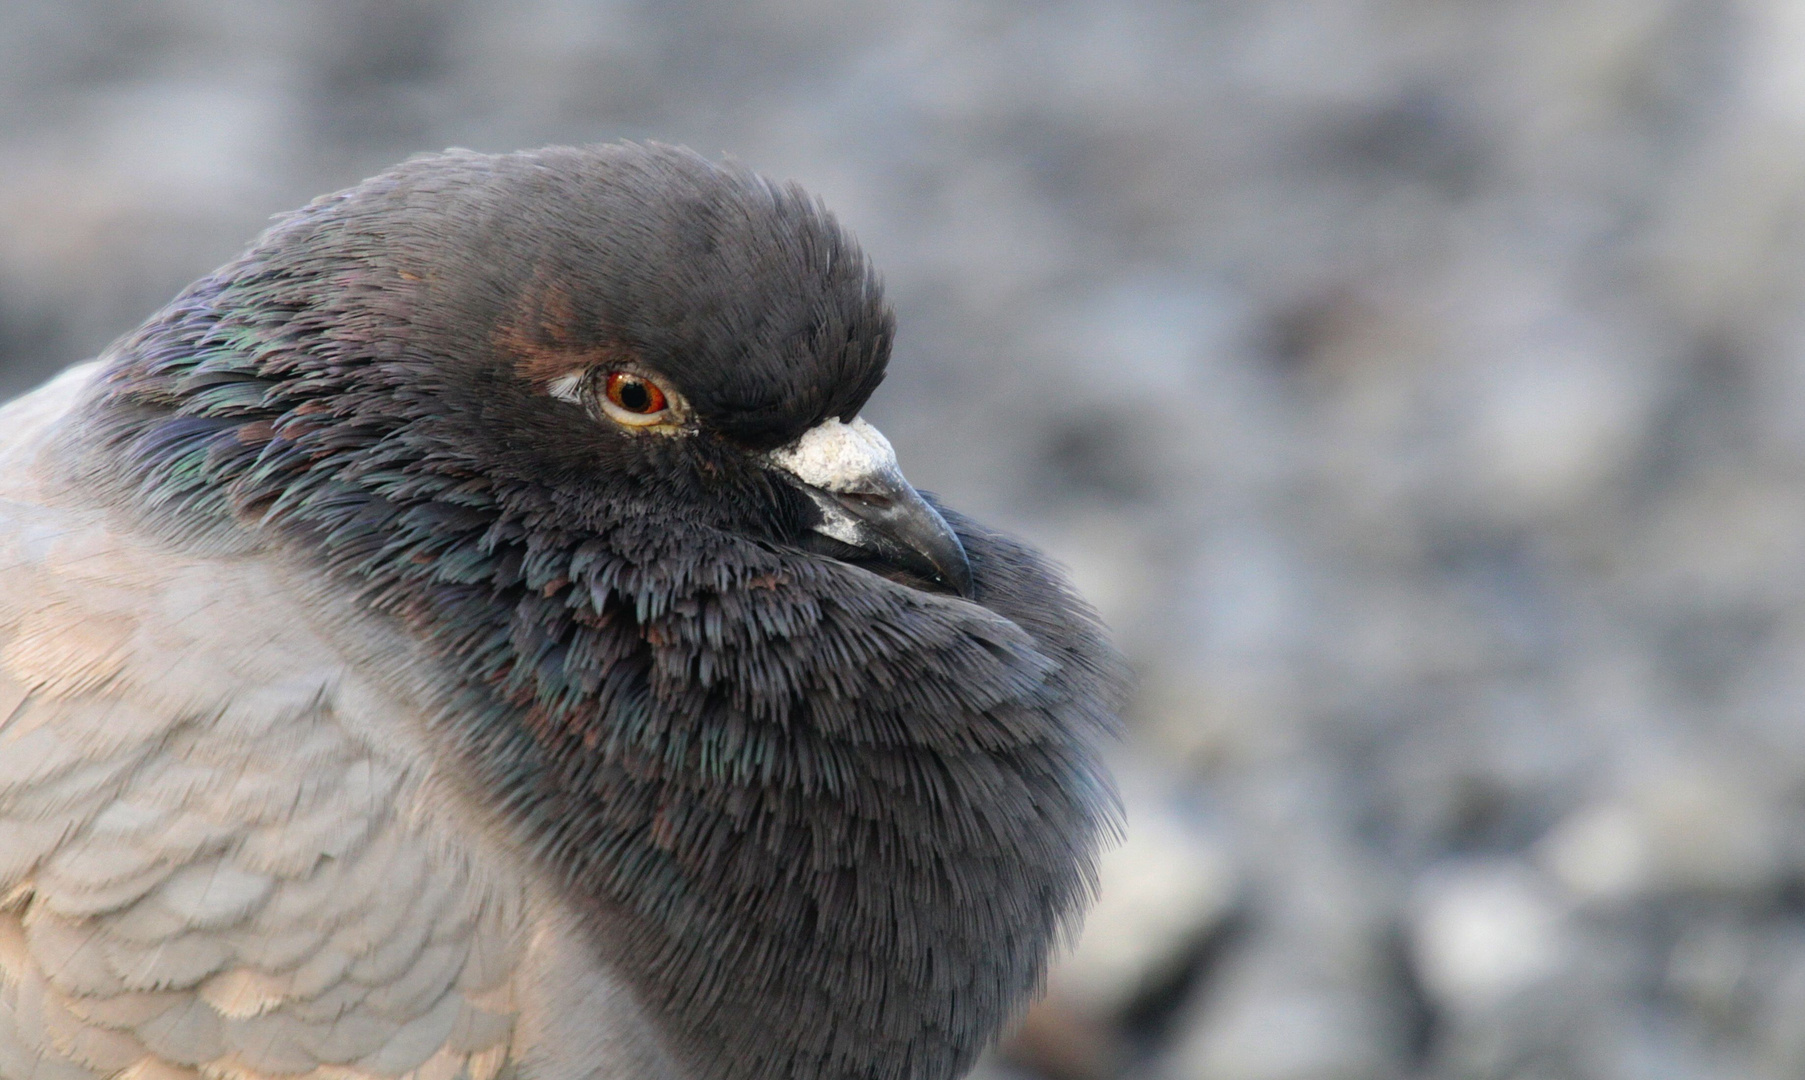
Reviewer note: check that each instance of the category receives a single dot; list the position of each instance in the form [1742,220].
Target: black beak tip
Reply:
[930,539]
[956,573]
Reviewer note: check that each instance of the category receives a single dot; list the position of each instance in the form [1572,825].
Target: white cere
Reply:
[837,456]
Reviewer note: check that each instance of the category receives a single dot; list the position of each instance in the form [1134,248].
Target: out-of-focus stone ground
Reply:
[1418,386]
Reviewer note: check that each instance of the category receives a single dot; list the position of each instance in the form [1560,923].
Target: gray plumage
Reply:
[472,632]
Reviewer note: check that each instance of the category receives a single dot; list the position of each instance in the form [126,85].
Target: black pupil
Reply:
[634,396]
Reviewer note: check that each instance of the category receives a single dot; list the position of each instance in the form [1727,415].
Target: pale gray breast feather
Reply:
[221,852]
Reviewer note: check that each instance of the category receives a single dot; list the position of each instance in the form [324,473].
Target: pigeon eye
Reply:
[634,400]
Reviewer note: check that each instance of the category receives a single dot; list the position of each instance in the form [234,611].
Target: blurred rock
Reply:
[1163,890]
[1164,897]
[1483,931]
[1271,1021]
[1681,827]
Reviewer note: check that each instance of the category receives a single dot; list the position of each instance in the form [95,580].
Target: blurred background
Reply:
[1418,386]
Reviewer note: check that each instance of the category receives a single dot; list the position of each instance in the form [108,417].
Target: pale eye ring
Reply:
[636,400]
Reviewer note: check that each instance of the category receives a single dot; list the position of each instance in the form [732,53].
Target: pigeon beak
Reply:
[850,471]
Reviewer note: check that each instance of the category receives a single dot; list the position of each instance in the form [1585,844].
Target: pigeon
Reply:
[474,635]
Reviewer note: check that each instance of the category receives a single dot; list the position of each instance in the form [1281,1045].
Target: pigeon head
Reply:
[663,337]
[815,759]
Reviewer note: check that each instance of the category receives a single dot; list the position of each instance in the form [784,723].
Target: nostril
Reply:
[870,499]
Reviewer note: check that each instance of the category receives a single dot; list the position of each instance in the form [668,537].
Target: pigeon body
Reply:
[473,635]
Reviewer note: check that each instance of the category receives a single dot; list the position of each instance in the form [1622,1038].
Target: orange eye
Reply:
[634,394]
[635,401]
